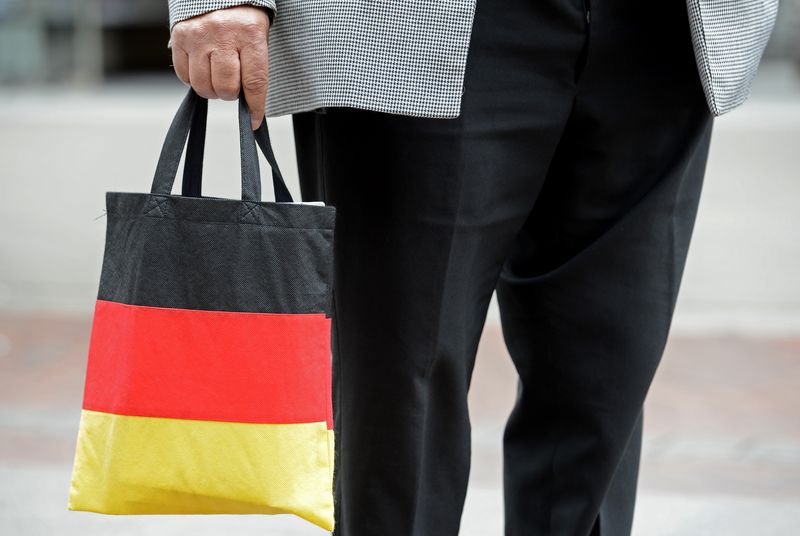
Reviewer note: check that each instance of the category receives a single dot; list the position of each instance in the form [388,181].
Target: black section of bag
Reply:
[208,253]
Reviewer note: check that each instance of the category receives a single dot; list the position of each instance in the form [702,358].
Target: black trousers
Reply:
[569,183]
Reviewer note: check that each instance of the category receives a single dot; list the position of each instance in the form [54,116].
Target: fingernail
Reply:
[255,122]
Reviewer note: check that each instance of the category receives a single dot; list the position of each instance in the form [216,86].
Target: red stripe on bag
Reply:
[209,365]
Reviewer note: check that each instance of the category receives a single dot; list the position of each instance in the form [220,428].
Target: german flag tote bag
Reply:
[208,382]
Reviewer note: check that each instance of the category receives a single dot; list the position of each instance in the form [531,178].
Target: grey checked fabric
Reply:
[729,37]
[409,56]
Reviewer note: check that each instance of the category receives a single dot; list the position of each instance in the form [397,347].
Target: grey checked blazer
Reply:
[409,56]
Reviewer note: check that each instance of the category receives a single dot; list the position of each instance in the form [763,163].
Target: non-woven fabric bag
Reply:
[208,382]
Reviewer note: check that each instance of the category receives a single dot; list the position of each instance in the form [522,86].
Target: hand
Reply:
[220,51]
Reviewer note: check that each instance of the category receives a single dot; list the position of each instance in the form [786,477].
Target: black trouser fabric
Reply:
[570,183]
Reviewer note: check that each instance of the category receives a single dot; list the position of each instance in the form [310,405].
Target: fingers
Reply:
[180,62]
[225,75]
[200,75]
[255,79]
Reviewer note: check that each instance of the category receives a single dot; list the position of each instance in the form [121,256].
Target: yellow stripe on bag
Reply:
[152,465]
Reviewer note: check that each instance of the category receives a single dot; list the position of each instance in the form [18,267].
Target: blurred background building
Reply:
[86,95]
[81,41]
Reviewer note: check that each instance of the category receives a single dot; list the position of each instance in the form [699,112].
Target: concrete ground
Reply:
[721,453]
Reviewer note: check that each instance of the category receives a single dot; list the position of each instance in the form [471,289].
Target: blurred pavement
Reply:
[722,422]
[721,454]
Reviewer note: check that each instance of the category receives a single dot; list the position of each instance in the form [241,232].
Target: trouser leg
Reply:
[419,245]
[588,292]
[427,210]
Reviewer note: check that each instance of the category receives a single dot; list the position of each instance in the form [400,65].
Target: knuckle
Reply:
[255,82]
[228,91]
[198,29]
[205,92]
[253,31]
[223,43]
[179,31]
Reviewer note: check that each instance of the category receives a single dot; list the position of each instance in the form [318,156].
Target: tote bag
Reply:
[208,381]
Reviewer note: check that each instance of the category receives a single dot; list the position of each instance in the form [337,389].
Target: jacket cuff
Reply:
[183,9]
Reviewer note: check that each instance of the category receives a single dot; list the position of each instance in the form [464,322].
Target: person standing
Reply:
[551,150]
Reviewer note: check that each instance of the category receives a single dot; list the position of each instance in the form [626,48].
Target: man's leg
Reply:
[427,211]
[588,293]
[418,250]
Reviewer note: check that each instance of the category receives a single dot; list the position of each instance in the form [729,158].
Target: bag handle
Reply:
[190,121]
